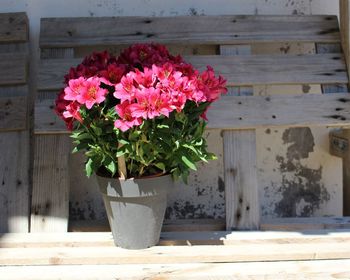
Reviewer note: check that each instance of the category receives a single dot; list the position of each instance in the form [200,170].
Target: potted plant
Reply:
[140,119]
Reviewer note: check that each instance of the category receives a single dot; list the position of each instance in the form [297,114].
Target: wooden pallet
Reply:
[14,124]
[317,254]
[64,41]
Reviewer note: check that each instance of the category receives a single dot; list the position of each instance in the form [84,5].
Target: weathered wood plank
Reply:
[13,69]
[244,112]
[247,112]
[49,210]
[344,18]
[306,223]
[174,254]
[13,113]
[14,182]
[241,183]
[217,30]
[14,28]
[50,198]
[238,70]
[105,239]
[308,270]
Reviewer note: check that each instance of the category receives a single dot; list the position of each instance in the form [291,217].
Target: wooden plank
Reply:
[14,28]
[294,110]
[325,269]
[306,223]
[173,254]
[74,32]
[247,112]
[344,19]
[14,181]
[49,210]
[339,146]
[50,199]
[105,239]
[240,171]
[13,113]
[238,70]
[241,185]
[13,69]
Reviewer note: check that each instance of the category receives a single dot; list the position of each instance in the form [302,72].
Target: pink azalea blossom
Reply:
[74,89]
[126,120]
[150,104]
[72,111]
[125,90]
[93,93]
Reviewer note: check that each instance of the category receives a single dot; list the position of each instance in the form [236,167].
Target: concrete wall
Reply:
[312,185]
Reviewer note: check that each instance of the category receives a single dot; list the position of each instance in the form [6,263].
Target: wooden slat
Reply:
[325,269]
[14,181]
[243,112]
[49,210]
[241,183]
[13,113]
[218,30]
[247,112]
[238,70]
[13,69]
[105,239]
[240,171]
[344,15]
[306,223]
[13,28]
[174,254]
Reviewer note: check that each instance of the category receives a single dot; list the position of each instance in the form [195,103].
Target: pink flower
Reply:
[126,121]
[113,73]
[150,104]
[93,93]
[125,90]
[210,85]
[72,111]
[75,88]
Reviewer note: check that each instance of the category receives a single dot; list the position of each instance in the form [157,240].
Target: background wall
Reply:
[313,185]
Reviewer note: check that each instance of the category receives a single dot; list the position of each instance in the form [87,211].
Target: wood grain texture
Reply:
[49,210]
[238,70]
[13,69]
[241,183]
[344,19]
[217,30]
[174,254]
[105,239]
[301,223]
[244,112]
[14,181]
[50,198]
[13,113]
[14,28]
[307,270]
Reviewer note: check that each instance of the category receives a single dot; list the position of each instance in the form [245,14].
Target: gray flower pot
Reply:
[135,209]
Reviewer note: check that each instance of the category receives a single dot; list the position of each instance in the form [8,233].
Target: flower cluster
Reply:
[145,105]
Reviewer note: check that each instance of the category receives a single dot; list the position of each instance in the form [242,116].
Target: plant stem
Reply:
[121,165]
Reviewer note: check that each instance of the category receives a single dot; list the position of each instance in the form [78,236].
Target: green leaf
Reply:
[161,166]
[193,149]
[123,141]
[188,163]
[88,167]
[112,167]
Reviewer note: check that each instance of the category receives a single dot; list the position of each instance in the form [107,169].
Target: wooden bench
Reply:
[14,123]
[225,42]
